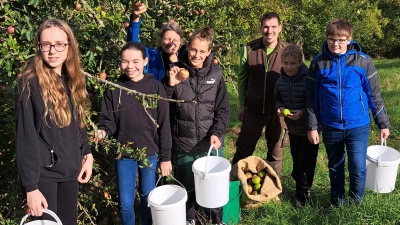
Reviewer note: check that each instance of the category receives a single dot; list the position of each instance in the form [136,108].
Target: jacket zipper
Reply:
[290,91]
[362,104]
[196,111]
[340,91]
[265,80]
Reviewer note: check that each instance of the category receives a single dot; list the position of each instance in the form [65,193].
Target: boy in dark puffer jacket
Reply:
[290,102]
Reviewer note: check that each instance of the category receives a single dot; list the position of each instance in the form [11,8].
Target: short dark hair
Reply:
[270,15]
[133,45]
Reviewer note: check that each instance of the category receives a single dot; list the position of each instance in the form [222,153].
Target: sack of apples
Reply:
[259,182]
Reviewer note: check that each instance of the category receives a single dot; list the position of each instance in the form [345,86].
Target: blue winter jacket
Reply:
[155,64]
[341,88]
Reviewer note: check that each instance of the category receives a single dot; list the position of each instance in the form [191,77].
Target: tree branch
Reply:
[101,24]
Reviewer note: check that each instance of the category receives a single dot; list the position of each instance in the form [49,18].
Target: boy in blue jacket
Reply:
[342,83]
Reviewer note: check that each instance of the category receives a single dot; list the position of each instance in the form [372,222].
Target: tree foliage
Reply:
[99,28]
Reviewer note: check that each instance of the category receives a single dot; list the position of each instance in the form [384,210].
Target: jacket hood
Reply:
[303,70]
[124,79]
[352,48]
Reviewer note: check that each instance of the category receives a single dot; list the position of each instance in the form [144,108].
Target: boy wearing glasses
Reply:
[342,84]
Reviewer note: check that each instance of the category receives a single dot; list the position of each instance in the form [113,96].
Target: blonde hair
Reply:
[204,34]
[54,95]
[294,51]
[339,27]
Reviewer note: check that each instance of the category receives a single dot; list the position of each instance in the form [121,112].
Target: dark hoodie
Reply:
[124,118]
[193,123]
[35,137]
[290,93]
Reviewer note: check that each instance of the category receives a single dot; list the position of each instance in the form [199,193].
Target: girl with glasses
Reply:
[52,151]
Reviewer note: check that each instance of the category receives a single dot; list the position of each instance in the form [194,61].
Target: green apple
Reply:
[261,173]
[257,187]
[286,112]
[256,179]
[249,189]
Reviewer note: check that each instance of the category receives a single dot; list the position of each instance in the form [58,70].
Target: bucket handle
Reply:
[48,211]
[208,154]
[151,192]
[383,141]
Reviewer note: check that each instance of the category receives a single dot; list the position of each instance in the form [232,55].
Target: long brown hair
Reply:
[54,95]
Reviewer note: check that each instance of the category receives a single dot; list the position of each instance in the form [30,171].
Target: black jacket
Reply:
[290,93]
[192,124]
[124,117]
[35,137]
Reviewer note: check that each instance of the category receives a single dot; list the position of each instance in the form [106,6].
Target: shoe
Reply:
[190,222]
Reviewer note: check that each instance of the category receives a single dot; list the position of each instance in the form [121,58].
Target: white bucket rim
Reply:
[156,206]
[376,159]
[198,170]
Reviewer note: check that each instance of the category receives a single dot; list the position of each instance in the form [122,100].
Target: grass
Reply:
[376,208]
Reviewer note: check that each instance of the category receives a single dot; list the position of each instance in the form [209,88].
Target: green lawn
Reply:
[376,208]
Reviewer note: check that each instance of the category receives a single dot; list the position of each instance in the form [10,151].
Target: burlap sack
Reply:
[271,186]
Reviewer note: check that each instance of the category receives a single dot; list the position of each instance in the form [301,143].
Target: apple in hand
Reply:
[285,112]
[183,73]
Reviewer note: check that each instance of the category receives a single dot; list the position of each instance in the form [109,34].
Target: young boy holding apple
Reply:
[290,102]
[342,83]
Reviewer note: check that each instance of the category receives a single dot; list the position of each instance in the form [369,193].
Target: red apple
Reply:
[202,11]
[183,73]
[126,25]
[106,194]
[10,29]
[103,75]
[78,6]
[196,12]
[215,61]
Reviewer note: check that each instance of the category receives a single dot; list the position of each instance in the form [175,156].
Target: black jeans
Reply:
[62,199]
[304,155]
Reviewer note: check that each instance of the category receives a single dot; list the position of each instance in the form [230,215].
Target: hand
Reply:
[385,133]
[166,168]
[174,77]
[295,114]
[214,140]
[99,136]
[313,136]
[279,111]
[138,9]
[241,112]
[86,171]
[36,202]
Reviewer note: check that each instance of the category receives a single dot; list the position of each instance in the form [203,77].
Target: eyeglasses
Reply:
[58,47]
[333,41]
[175,41]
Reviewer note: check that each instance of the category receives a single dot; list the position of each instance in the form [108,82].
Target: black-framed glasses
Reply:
[59,47]
[333,41]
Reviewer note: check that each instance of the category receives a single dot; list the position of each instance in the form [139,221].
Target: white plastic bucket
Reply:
[42,222]
[382,165]
[211,180]
[168,204]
